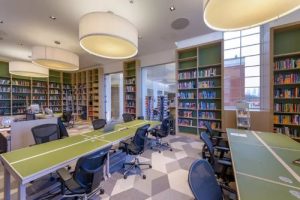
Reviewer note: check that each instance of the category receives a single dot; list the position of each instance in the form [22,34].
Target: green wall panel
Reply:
[4,71]
[210,55]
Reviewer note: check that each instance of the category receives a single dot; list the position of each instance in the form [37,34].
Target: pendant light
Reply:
[55,58]
[107,35]
[28,69]
[230,15]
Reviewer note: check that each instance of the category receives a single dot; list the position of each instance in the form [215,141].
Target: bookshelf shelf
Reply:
[199,104]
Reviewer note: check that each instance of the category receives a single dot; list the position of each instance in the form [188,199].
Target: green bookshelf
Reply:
[286,79]
[199,77]
[21,94]
[129,69]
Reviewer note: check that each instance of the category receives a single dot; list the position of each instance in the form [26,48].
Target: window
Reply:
[242,67]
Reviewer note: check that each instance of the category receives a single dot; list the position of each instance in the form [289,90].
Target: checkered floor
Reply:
[167,180]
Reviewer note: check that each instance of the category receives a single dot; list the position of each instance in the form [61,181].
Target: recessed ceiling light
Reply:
[1,38]
[172,8]
[1,21]
[52,17]
[29,57]
[140,37]
[21,44]
[57,42]
[131,1]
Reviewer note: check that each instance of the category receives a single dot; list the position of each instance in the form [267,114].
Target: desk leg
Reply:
[22,191]
[6,184]
[107,166]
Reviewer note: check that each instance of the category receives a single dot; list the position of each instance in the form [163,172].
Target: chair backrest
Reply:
[89,169]
[98,123]
[208,147]
[45,133]
[67,116]
[140,117]
[62,129]
[208,128]
[127,117]
[202,181]
[30,116]
[140,137]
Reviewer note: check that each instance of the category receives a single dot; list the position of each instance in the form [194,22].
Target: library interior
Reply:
[150,100]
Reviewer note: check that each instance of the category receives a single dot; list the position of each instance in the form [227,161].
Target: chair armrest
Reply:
[64,174]
[225,163]
[224,149]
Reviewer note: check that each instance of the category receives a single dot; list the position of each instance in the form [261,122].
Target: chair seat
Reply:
[74,187]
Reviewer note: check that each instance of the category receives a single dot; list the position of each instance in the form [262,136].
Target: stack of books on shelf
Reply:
[149,102]
[187,75]
[288,63]
[187,85]
[210,72]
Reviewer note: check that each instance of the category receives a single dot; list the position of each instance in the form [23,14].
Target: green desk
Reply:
[30,163]
[263,165]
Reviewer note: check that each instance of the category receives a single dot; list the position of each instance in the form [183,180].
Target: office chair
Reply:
[217,139]
[98,123]
[85,181]
[30,116]
[141,117]
[67,118]
[62,129]
[159,133]
[127,117]
[3,144]
[219,163]
[204,184]
[135,146]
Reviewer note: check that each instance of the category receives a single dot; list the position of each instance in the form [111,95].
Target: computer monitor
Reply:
[34,108]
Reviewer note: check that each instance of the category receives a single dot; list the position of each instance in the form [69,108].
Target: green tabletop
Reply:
[263,168]
[30,161]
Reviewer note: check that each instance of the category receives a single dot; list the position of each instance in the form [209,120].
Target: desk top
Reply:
[263,165]
[26,163]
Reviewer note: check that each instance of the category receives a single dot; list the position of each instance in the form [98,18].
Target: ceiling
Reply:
[27,23]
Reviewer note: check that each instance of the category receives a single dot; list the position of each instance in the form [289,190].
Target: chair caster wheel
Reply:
[150,166]
[159,151]
[151,147]
[125,176]
[101,191]
[144,176]
[171,149]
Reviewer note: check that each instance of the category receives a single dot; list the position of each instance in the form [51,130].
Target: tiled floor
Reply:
[167,180]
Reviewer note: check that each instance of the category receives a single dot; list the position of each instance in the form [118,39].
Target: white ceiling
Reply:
[27,22]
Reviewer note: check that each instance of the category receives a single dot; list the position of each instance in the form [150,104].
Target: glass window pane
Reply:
[232,62]
[233,43]
[252,95]
[252,82]
[251,31]
[252,71]
[250,50]
[252,60]
[251,39]
[232,53]
[232,34]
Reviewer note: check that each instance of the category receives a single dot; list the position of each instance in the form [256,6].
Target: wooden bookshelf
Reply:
[21,94]
[285,60]
[39,90]
[199,77]
[55,91]
[130,87]
[67,94]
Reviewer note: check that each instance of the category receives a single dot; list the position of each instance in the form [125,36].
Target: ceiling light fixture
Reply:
[107,35]
[1,21]
[172,8]
[57,42]
[28,69]
[233,15]
[55,58]
[52,17]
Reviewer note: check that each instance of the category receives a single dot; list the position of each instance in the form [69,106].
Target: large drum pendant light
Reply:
[55,58]
[230,15]
[107,35]
[28,69]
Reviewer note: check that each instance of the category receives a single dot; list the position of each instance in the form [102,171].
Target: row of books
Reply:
[21,83]
[39,91]
[130,89]
[207,94]
[54,98]
[130,97]
[207,115]
[289,63]
[131,103]
[207,105]
[185,122]
[4,81]
[55,109]
[54,85]
[19,104]
[54,91]
[4,89]
[20,90]
[207,72]
[39,98]
[20,97]
[42,104]
[4,96]
[287,119]
[185,113]
[287,78]
[130,110]
[67,87]
[4,104]
[213,125]
[149,106]
[187,75]
[130,81]
[17,111]
[287,92]
[39,84]
[187,95]
[286,107]
[54,103]
[207,84]
[289,131]
[187,105]
[187,85]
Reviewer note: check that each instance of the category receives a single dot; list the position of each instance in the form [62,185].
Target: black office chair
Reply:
[62,129]
[45,133]
[161,132]
[30,116]
[98,123]
[127,117]
[67,118]
[219,162]
[135,146]
[215,136]
[3,144]
[204,184]
[85,181]
[141,117]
